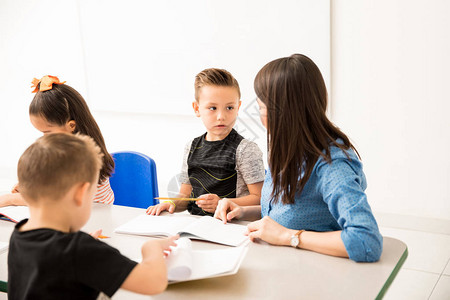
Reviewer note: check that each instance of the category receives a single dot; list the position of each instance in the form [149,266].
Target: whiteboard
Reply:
[142,56]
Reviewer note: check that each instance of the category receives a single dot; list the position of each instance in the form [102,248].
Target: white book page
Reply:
[185,264]
[15,213]
[213,263]
[179,262]
[155,225]
[214,230]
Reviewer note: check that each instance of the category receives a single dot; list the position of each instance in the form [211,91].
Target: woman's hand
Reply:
[228,210]
[269,231]
[208,202]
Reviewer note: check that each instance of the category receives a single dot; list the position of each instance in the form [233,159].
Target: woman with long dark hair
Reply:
[313,195]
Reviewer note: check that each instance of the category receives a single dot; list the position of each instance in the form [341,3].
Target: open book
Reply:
[201,228]
[14,213]
[185,264]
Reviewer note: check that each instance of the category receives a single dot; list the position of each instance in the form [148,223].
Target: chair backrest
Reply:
[134,180]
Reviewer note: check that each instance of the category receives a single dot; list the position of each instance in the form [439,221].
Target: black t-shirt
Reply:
[213,157]
[50,264]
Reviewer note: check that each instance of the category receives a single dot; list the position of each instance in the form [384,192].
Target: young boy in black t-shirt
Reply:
[220,163]
[49,258]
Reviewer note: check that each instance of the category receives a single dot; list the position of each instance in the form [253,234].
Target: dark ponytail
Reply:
[62,104]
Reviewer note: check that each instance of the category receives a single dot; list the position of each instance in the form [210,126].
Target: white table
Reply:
[267,272]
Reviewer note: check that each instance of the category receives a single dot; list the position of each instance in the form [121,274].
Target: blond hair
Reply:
[54,163]
[215,77]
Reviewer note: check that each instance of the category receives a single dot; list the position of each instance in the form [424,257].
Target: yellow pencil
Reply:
[177,199]
[103,237]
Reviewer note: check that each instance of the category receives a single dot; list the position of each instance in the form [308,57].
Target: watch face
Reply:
[294,241]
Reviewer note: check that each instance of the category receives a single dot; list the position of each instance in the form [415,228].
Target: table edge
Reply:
[393,274]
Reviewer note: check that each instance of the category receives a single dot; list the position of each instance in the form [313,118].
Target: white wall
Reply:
[390,79]
[36,38]
[143,57]
[135,64]
[389,87]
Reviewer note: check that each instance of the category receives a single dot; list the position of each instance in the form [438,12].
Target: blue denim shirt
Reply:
[333,199]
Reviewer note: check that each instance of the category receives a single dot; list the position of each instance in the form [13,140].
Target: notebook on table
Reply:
[201,228]
[185,264]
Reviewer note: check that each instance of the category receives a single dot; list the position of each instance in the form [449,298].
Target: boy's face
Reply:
[218,108]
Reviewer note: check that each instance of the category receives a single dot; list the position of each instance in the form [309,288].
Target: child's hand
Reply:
[155,210]
[150,276]
[167,243]
[208,202]
[268,230]
[96,233]
[164,245]
[15,189]
[227,210]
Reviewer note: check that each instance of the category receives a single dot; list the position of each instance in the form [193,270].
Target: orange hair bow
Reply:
[46,83]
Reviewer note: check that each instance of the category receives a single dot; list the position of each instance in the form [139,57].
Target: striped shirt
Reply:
[104,193]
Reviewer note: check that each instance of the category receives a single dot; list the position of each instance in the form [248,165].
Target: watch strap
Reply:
[298,233]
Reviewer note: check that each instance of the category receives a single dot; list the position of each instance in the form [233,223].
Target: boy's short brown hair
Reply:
[217,77]
[53,164]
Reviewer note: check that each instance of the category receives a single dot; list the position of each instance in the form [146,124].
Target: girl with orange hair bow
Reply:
[57,107]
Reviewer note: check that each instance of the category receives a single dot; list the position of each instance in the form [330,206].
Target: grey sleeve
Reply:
[249,162]
[184,176]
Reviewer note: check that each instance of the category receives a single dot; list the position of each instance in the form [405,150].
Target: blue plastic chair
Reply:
[134,180]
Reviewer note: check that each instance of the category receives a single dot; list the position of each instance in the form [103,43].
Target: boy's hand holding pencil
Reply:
[208,202]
